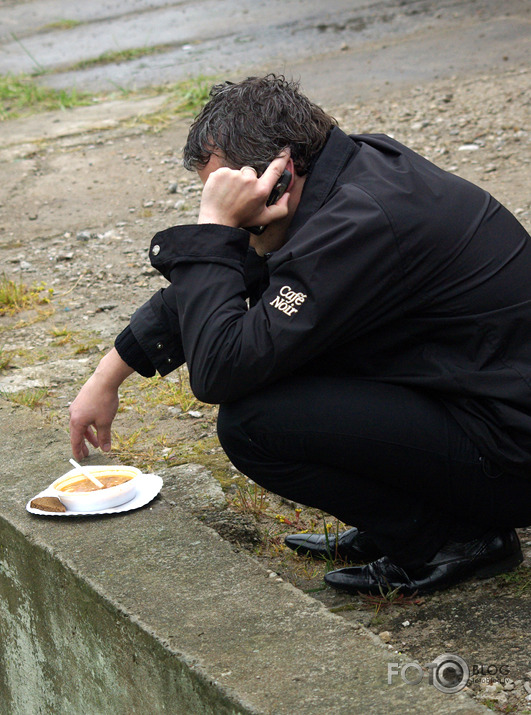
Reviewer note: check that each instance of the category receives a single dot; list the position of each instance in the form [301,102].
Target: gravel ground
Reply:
[76,216]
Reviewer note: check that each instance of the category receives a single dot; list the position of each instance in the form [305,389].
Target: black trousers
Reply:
[384,458]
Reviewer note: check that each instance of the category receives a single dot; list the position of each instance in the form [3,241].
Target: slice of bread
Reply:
[47,504]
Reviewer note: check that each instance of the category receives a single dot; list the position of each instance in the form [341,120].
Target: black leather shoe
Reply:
[351,545]
[491,554]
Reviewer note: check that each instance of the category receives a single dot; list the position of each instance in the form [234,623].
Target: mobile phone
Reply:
[278,191]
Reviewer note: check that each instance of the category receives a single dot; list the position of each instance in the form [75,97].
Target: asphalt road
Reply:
[340,49]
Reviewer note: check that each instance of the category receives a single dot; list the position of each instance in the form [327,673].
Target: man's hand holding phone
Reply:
[240,198]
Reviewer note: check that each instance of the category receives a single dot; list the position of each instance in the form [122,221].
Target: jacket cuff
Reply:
[159,339]
[131,353]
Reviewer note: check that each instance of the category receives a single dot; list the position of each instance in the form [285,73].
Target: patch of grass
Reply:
[190,95]
[87,347]
[80,341]
[20,96]
[390,597]
[129,402]
[61,336]
[62,25]
[31,398]
[18,296]
[201,452]
[41,315]
[519,580]
[24,356]
[147,450]
[186,98]
[113,57]
[5,359]
[250,498]
[39,68]
[129,447]
[386,599]
[60,332]
[174,391]
[125,443]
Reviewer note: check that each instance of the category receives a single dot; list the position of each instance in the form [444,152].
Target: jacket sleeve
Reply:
[152,342]
[155,326]
[130,351]
[335,278]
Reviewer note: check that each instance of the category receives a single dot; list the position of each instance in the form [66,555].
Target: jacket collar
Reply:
[335,154]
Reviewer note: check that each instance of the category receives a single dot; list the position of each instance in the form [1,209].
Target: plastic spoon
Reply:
[88,475]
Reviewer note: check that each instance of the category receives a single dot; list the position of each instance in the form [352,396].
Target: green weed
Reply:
[185,98]
[127,447]
[31,398]
[5,359]
[390,597]
[62,25]
[60,332]
[87,347]
[41,314]
[116,57]
[61,336]
[20,96]
[18,296]
[40,68]
[519,580]
[332,552]
[251,499]
[174,391]
[124,443]
[190,95]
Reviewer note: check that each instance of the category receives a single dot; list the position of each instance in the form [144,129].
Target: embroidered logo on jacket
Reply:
[287,300]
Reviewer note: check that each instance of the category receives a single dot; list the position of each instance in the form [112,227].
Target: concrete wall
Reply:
[64,649]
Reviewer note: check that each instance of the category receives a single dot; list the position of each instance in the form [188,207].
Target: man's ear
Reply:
[290,166]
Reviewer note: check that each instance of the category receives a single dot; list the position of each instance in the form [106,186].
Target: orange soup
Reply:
[85,485]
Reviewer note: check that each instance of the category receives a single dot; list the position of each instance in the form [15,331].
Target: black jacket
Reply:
[393,270]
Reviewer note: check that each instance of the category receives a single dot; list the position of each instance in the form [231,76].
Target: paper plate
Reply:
[149,485]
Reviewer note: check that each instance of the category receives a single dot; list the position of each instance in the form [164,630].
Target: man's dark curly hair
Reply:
[252,121]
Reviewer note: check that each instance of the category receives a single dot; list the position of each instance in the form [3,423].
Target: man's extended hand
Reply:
[238,197]
[96,406]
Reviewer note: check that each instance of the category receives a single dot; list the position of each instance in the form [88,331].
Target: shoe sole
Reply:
[487,571]
[508,564]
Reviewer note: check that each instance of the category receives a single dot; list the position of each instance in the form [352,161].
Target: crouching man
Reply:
[370,349]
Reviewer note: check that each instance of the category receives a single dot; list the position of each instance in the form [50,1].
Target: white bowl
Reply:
[99,498]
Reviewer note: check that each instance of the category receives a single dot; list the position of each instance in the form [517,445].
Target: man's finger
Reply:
[278,210]
[104,437]
[274,171]
[77,443]
[91,437]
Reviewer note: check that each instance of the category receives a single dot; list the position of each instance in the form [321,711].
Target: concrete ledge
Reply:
[152,612]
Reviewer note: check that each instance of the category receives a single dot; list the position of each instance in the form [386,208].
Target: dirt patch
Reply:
[76,215]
